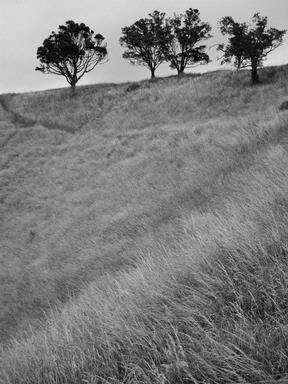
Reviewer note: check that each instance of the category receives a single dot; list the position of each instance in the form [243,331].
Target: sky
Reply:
[26,23]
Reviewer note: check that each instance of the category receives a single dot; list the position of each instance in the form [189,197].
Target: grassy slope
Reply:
[166,207]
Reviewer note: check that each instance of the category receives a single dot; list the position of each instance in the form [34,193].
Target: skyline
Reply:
[32,21]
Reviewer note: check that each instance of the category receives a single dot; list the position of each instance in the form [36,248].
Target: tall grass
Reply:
[213,310]
[187,220]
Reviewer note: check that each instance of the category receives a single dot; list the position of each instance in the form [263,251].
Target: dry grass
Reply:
[163,211]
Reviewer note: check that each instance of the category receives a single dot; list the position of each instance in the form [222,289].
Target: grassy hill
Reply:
[143,232]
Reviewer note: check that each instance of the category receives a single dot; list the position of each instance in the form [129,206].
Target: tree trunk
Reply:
[152,73]
[254,72]
[180,72]
[73,89]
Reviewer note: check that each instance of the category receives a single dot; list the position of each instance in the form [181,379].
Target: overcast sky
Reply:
[26,23]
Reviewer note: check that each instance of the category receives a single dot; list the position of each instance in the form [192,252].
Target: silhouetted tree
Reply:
[71,52]
[183,50]
[145,41]
[249,44]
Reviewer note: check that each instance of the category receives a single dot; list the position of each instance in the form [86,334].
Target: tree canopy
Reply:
[145,41]
[249,44]
[71,52]
[183,50]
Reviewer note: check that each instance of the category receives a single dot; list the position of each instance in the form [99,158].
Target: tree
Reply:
[145,41]
[249,44]
[71,52]
[183,50]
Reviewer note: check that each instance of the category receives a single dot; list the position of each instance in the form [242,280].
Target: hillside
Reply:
[143,232]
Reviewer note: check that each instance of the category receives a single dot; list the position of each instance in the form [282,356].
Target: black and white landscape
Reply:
[144,222]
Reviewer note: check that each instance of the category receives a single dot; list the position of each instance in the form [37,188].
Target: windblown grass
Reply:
[167,209]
